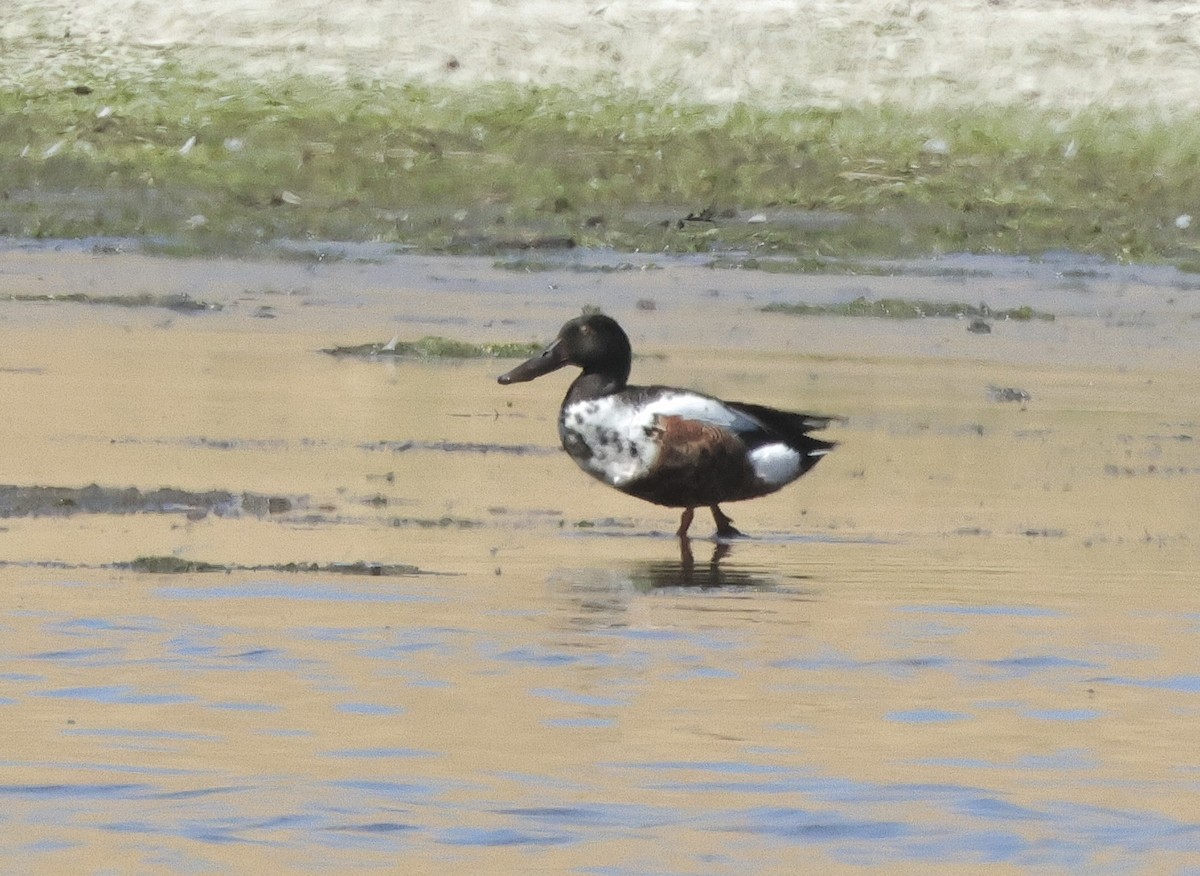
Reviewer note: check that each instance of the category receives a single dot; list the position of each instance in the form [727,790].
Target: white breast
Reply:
[618,437]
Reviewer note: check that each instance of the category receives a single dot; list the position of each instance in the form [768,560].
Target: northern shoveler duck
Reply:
[672,447]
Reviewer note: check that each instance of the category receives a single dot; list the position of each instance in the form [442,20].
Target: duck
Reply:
[673,447]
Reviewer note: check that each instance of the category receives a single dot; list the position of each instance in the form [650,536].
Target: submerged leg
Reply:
[725,527]
[685,521]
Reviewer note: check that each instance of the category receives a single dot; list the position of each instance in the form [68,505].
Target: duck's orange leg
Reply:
[725,527]
[685,521]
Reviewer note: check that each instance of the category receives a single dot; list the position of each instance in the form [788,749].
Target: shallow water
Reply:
[966,642]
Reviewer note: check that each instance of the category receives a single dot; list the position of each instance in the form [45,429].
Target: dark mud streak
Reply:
[392,445]
[529,266]
[1151,470]
[904,308]
[177,303]
[39,501]
[169,565]
[434,523]
[1008,394]
[461,447]
[204,443]
[434,347]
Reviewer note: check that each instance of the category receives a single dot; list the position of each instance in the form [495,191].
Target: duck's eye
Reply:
[585,329]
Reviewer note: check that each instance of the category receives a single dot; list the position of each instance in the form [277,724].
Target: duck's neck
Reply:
[593,384]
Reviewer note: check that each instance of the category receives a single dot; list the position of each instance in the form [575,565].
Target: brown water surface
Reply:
[966,642]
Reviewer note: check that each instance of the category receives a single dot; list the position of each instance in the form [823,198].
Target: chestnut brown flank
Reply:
[697,461]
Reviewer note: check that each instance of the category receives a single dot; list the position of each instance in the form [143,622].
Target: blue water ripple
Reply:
[502,836]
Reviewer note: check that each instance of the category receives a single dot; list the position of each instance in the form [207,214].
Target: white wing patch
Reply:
[691,406]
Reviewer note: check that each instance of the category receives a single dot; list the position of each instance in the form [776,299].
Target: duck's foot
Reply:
[685,521]
[725,527]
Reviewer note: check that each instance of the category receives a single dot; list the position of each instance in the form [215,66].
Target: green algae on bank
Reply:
[435,347]
[39,501]
[904,308]
[534,266]
[796,265]
[204,165]
[177,303]
[171,565]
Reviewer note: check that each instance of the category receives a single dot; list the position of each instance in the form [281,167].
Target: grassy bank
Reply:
[198,166]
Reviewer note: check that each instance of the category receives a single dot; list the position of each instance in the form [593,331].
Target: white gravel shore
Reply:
[1065,54]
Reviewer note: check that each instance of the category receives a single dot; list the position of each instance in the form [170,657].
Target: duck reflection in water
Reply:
[662,574]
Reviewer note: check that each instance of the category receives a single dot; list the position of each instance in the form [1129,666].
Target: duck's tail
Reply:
[794,430]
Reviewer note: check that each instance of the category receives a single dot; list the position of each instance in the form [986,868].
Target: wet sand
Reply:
[965,643]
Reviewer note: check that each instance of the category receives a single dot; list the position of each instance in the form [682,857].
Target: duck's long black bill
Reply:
[551,359]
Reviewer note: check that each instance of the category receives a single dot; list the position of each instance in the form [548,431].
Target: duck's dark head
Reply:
[595,343]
